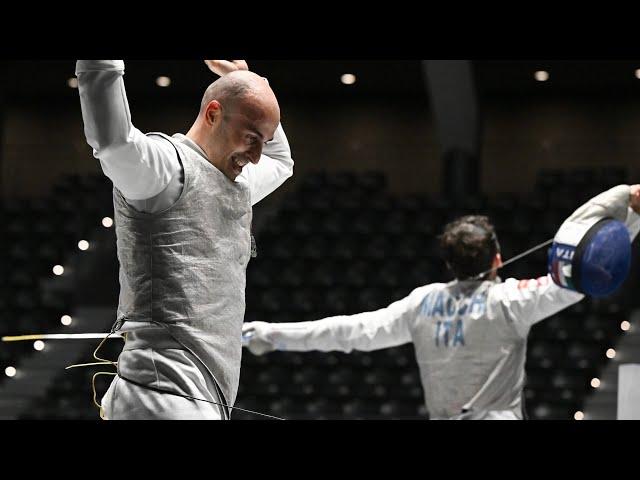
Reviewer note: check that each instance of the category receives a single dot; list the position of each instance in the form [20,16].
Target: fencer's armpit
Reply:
[254,337]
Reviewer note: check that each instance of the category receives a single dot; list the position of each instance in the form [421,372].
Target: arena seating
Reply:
[340,244]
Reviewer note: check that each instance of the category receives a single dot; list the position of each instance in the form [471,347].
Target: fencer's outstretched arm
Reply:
[621,202]
[529,301]
[384,328]
[275,164]
[139,166]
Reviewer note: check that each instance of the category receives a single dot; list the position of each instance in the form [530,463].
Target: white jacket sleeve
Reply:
[613,203]
[384,328]
[526,302]
[139,166]
[274,167]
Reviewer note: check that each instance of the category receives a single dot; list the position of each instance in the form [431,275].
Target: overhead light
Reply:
[578,415]
[83,245]
[107,222]
[10,372]
[163,81]
[38,345]
[541,411]
[58,270]
[541,75]
[65,320]
[348,79]
[638,73]
[611,353]
[625,326]
[72,82]
[595,382]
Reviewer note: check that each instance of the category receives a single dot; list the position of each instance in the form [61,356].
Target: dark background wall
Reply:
[587,114]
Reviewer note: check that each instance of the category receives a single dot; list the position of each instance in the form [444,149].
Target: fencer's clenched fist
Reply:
[634,198]
[222,67]
[254,337]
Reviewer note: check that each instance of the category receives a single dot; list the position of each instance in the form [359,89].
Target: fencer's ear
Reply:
[213,112]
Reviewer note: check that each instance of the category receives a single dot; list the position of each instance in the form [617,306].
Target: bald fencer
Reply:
[183,213]
[470,335]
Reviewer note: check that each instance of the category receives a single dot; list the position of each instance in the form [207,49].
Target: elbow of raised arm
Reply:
[289,170]
[113,151]
[116,144]
[285,167]
[287,161]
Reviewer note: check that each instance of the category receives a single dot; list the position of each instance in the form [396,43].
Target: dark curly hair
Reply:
[469,245]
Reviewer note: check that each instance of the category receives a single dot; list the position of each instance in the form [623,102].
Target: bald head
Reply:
[239,113]
[241,88]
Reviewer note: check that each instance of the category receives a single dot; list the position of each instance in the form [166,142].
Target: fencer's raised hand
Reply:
[634,198]
[254,338]
[222,67]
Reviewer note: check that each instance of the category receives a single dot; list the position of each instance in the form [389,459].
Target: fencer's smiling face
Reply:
[239,134]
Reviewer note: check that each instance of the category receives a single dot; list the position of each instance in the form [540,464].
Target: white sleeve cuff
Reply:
[99,65]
